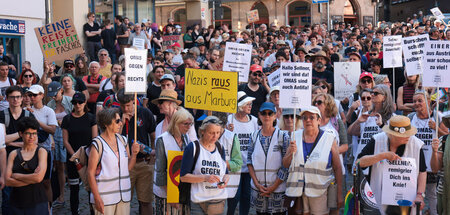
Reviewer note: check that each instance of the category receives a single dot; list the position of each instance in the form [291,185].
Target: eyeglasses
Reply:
[77,102]
[14,97]
[377,93]
[366,81]
[30,134]
[28,76]
[187,124]
[305,118]
[103,54]
[317,102]
[257,74]
[117,121]
[373,54]
[266,113]
[368,98]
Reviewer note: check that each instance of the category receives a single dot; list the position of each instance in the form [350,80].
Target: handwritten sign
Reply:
[170,40]
[413,51]
[274,78]
[173,175]
[437,13]
[392,51]
[436,63]
[399,181]
[211,90]
[252,16]
[237,59]
[136,70]
[295,85]
[59,40]
[139,43]
[346,77]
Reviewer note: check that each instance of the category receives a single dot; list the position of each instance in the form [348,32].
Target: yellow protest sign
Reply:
[173,175]
[211,90]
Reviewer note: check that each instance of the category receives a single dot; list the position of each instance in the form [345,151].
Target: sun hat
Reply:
[167,94]
[243,98]
[400,126]
[321,54]
[311,109]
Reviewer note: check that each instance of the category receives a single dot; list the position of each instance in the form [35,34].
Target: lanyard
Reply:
[315,143]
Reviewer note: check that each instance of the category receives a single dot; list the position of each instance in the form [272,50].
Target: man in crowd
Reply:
[92,31]
[122,33]
[92,83]
[5,82]
[109,40]
[169,64]
[138,39]
[254,88]
[105,66]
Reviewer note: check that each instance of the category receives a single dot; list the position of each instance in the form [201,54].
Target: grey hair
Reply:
[379,79]
[106,116]
[210,120]
[178,117]
[388,105]
[102,50]
[94,62]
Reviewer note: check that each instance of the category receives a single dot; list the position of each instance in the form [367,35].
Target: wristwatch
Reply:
[422,194]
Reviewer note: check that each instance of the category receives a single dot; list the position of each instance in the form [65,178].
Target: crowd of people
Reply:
[271,159]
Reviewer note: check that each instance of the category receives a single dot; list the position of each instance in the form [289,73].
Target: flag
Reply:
[173,175]
[364,195]
[349,202]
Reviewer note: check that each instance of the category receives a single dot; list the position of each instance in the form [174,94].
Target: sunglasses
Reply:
[289,116]
[117,121]
[366,81]
[377,93]
[257,74]
[305,118]
[77,102]
[103,54]
[323,87]
[32,95]
[266,113]
[68,66]
[28,76]
[317,103]
[368,98]
[373,54]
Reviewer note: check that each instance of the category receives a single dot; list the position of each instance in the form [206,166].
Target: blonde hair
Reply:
[331,109]
[178,117]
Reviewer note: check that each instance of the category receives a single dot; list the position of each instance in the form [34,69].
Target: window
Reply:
[299,13]
[179,17]
[226,17]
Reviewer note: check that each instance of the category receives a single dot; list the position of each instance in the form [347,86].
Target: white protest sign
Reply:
[436,64]
[437,13]
[413,53]
[274,78]
[392,51]
[237,59]
[139,43]
[295,85]
[135,70]
[346,78]
[399,181]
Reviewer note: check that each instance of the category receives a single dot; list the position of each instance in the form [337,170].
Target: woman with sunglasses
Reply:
[78,129]
[371,122]
[26,79]
[365,82]
[25,171]
[208,174]
[405,94]
[111,187]
[267,148]
[326,88]
[174,139]
[287,122]
[317,151]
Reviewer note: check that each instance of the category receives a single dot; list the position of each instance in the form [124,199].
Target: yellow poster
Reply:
[211,90]
[173,175]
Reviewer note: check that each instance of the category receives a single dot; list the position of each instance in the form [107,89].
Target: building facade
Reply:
[400,10]
[281,12]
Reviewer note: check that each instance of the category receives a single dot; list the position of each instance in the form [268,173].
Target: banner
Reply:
[413,52]
[437,13]
[274,78]
[211,90]
[399,181]
[392,51]
[169,40]
[436,64]
[58,40]
[173,175]
[295,85]
[237,59]
[346,78]
[136,70]
[252,16]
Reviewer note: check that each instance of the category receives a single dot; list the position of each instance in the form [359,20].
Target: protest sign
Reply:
[399,181]
[59,40]
[437,13]
[139,43]
[274,78]
[136,70]
[252,16]
[173,175]
[295,85]
[211,90]
[170,40]
[392,51]
[237,59]
[436,64]
[413,51]
[346,78]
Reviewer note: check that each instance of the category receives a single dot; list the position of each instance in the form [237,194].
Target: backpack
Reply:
[184,188]
[82,155]
[99,79]
[106,83]
[7,116]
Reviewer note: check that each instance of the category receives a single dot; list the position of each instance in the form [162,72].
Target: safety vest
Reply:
[312,176]
[267,166]
[169,144]
[412,150]
[426,134]
[113,182]
[227,140]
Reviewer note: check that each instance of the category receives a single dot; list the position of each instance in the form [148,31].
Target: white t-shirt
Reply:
[45,115]
[244,131]
[2,136]
[178,59]
[3,86]
[108,85]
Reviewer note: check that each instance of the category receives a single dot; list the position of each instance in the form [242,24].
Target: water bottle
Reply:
[78,164]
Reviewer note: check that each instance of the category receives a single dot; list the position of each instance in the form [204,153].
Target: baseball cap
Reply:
[290,111]
[376,40]
[169,51]
[36,89]
[256,68]
[355,53]
[167,77]
[267,106]
[243,98]
[281,42]
[366,74]
[53,88]
[78,97]
[68,62]
[176,44]
[311,109]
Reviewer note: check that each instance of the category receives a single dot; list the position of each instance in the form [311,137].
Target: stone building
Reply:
[281,12]
[400,10]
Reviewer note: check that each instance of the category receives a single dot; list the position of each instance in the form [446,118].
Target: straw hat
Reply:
[400,126]
[167,94]
[321,54]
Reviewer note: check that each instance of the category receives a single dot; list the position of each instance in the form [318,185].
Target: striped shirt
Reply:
[440,187]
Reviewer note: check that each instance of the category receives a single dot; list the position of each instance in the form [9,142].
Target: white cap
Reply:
[36,89]
[311,109]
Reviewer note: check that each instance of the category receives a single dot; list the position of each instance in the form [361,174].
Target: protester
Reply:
[5,82]
[92,83]
[26,79]
[405,94]
[92,31]
[287,122]
[255,88]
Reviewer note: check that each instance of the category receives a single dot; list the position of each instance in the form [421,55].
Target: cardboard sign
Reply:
[295,85]
[436,62]
[169,40]
[237,59]
[274,78]
[437,13]
[252,16]
[346,78]
[399,181]
[211,90]
[173,175]
[392,51]
[58,40]
[413,51]
[136,70]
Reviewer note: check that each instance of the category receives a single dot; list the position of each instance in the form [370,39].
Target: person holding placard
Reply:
[287,122]
[396,142]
